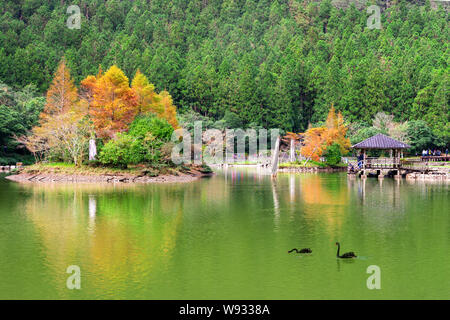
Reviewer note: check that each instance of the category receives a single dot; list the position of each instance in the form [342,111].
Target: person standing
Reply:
[360,160]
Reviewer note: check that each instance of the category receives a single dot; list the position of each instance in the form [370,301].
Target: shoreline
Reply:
[312,169]
[298,169]
[48,177]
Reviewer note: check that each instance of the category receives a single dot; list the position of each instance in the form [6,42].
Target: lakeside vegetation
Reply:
[132,125]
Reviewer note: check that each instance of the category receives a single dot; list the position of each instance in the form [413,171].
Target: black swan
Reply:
[305,250]
[346,255]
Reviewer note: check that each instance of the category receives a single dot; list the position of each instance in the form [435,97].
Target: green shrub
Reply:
[12,159]
[159,128]
[122,151]
[145,142]
[333,154]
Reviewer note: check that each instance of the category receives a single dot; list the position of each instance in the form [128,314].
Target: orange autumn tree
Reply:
[114,104]
[64,127]
[314,143]
[318,139]
[87,88]
[337,131]
[62,94]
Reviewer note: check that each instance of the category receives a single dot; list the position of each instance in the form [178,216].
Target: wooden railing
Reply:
[443,158]
[416,165]
[382,163]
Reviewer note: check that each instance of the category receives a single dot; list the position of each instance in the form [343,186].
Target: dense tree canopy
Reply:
[19,112]
[270,63]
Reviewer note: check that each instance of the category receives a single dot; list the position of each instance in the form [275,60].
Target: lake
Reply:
[226,237]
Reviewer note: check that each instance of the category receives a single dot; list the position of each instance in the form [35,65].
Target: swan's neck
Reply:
[339,247]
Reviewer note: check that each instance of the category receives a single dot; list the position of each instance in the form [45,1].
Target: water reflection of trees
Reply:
[325,199]
[117,235]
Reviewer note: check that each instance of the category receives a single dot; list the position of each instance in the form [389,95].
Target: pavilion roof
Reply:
[381,141]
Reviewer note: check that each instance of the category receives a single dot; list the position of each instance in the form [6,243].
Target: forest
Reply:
[239,63]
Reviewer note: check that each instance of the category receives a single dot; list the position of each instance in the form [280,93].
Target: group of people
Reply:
[434,153]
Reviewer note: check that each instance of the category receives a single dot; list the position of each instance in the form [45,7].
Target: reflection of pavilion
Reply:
[387,191]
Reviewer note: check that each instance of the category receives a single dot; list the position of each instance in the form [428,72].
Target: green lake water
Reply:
[226,237]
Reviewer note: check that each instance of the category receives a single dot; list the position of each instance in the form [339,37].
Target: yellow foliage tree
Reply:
[169,110]
[65,133]
[337,131]
[147,99]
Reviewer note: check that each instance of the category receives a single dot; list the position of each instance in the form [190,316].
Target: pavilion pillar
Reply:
[396,161]
[363,174]
[364,159]
[395,158]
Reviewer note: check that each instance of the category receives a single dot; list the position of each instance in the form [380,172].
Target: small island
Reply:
[131,126]
[61,172]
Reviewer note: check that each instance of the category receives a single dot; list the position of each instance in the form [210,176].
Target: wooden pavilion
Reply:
[380,165]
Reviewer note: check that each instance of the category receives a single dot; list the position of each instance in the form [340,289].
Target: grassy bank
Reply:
[309,164]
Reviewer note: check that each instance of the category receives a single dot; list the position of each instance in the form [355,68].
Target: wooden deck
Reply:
[395,166]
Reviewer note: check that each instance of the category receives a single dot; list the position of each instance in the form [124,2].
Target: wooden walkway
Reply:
[384,165]
[442,158]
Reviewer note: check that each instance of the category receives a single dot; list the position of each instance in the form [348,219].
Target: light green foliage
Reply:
[420,136]
[333,154]
[159,128]
[144,143]
[121,151]
[364,133]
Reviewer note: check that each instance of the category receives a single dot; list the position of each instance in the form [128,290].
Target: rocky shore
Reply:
[103,178]
[432,176]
